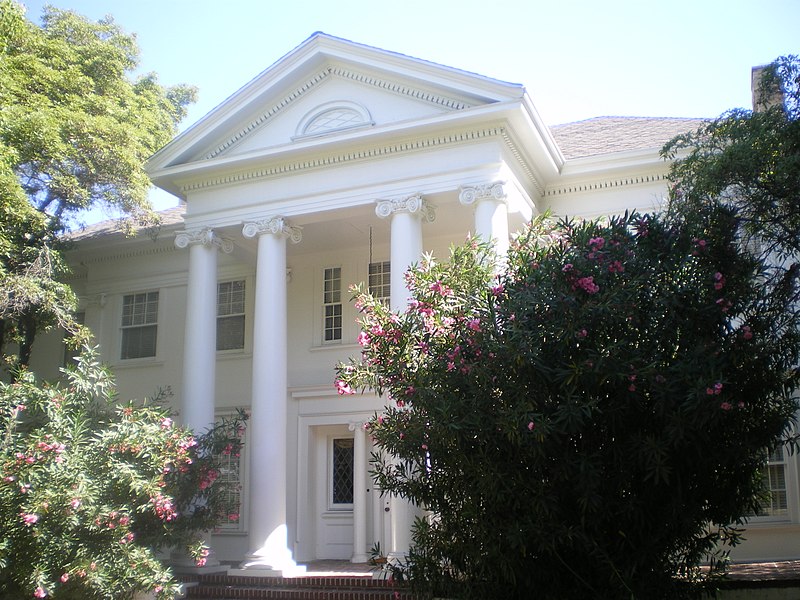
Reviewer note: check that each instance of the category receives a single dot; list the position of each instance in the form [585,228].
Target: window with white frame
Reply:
[230,315]
[774,475]
[332,304]
[139,325]
[341,473]
[379,281]
[231,481]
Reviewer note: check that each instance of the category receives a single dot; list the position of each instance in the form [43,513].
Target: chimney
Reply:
[766,88]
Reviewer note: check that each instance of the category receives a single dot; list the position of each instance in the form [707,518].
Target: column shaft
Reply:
[269,537]
[200,339]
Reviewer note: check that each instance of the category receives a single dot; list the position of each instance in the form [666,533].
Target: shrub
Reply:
[91,490]
[592,422]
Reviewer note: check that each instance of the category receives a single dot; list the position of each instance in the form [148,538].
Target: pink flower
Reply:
[582,334]
[531,426]
[567,267]
[616,267]
[597,243]
[29,518]
[166,423]
[363,338]
[632,387]
[498,289]
[719,281]
[726,406]
[75,503]
[474,324]
[343,388]
[64,578]
[588,285]
[746,332]
[40,593]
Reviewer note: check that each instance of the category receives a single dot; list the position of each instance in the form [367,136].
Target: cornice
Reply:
[603,184]
[344,157]
[338,71]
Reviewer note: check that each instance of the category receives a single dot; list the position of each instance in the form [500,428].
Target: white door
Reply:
[334,492]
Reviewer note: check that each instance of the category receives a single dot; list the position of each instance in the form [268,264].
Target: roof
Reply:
[605,135]
[170,216]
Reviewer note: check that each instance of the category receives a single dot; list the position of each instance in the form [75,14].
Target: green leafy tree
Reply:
[749,161]
[75,130]
[91,488]
[591,423]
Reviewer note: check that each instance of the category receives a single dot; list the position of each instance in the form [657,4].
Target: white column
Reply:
[407,215]
[406,248]
[200,338]
[491,213]
[269,544]
[359,493]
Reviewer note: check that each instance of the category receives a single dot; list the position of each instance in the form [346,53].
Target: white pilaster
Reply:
[200,342]
[491,213]
[269,544]
[407,215]
[359,493]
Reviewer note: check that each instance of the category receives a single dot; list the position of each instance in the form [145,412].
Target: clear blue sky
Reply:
[577,58]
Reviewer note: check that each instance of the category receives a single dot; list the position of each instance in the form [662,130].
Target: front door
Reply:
[334,492]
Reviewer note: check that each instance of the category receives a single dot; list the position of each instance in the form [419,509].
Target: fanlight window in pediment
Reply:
[332,117]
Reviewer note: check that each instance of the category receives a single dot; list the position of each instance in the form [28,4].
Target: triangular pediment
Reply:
[329,87]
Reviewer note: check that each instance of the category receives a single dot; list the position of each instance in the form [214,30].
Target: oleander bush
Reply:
[93,489]
[591,422]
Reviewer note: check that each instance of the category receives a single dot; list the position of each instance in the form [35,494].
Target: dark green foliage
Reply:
[581,424]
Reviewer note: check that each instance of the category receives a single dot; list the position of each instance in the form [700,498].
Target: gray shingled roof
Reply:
[604,135]
[169,216]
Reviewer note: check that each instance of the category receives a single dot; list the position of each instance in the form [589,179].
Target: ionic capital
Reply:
[414,204]
[486,191]
[204,236]
[273,226]
[357,425]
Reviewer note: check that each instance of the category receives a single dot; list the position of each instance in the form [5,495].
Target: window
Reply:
[332,304]
[230,315]
[775,482]
[139,325]
[231,481]
[379,282]
[342,473]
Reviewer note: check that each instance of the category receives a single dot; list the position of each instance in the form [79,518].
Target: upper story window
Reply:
[333,116]
[379,281]
[332,304]
[230,315]
[139,325]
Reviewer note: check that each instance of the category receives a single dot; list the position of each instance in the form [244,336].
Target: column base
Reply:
[359,558]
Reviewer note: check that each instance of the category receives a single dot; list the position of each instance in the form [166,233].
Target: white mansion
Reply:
[340,163]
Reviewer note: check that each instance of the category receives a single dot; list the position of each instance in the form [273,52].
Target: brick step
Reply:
[225,587]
